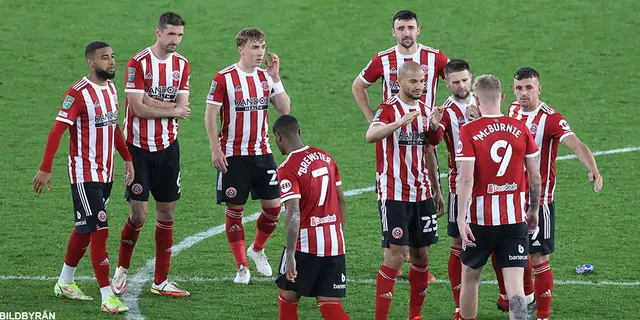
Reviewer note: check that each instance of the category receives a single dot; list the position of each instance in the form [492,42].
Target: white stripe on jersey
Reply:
[480,210]
[320,241]
[246,116]
[105,133]
[334,240]
[78,158]
[91,114]
[511,210]
[495,210]
[344,244]
[304,240]
[386,83]
[431,62]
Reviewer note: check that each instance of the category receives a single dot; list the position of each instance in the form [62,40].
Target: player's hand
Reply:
[129,173]
[532,220]
[439,203]
[290,268]
[407,118]
[435,117]
[468,239]
[596,178]
[473,112]
[219,160]
[40,180]
[273,66]
[182,111]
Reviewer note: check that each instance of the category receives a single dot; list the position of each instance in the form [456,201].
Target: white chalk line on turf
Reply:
[350,281]
[143,275]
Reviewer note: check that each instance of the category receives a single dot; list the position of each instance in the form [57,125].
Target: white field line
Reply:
[144,274]
[354,281]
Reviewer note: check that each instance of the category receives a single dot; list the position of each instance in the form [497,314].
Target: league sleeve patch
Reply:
[212,89]
[131,74]
[68,101]
[377,116]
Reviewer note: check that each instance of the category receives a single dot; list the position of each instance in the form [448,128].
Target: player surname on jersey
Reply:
[494,127]
[309,158]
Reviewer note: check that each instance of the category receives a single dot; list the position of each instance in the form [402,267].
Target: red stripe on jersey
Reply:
[502,201]
[171,124]
[253,118]
[264,132]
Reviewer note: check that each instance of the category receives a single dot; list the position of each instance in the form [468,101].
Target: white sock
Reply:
[530,298]
[67,275]
[106,292]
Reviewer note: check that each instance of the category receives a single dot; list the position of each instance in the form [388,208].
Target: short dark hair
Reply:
[526,73]
[286,125]
[456,65]
[93,46]
[171,18]
[404,15]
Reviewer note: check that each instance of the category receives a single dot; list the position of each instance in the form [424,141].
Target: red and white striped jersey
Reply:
[453,118]
[401,171]
[311,175]
[92,112]
[386,63]
[163,80]
[244,100]
[548,128]
[498,145]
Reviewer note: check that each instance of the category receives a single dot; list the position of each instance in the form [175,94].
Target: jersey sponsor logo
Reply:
[62,114]
[130,85]
[131,74]
[285,186]
[520,249]
[81,223]
[460,146]
[316,221]
[251,104]
[68,101]
[412,138]
[494,188]
[107,119]
[397,232]
[176,75]
[102,216]
[339,286]
[162,92]
[231,192]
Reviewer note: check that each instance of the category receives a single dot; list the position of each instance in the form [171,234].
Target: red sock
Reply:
[129,237]
[235,235]
[77,246]
[455,274]
[332,310]
[528,280]
[287,310]
[100,256]
[384,291]
[164,241]
[267,223]
[544,288]
[418,284]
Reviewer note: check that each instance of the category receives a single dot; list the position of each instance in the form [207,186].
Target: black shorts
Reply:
[156,172]
[542,241]
[510,243]
[452,226]
[257,175]
[408,223]
[317,276]
[90,201]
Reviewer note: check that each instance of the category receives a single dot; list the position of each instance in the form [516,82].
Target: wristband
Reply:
[278,87]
